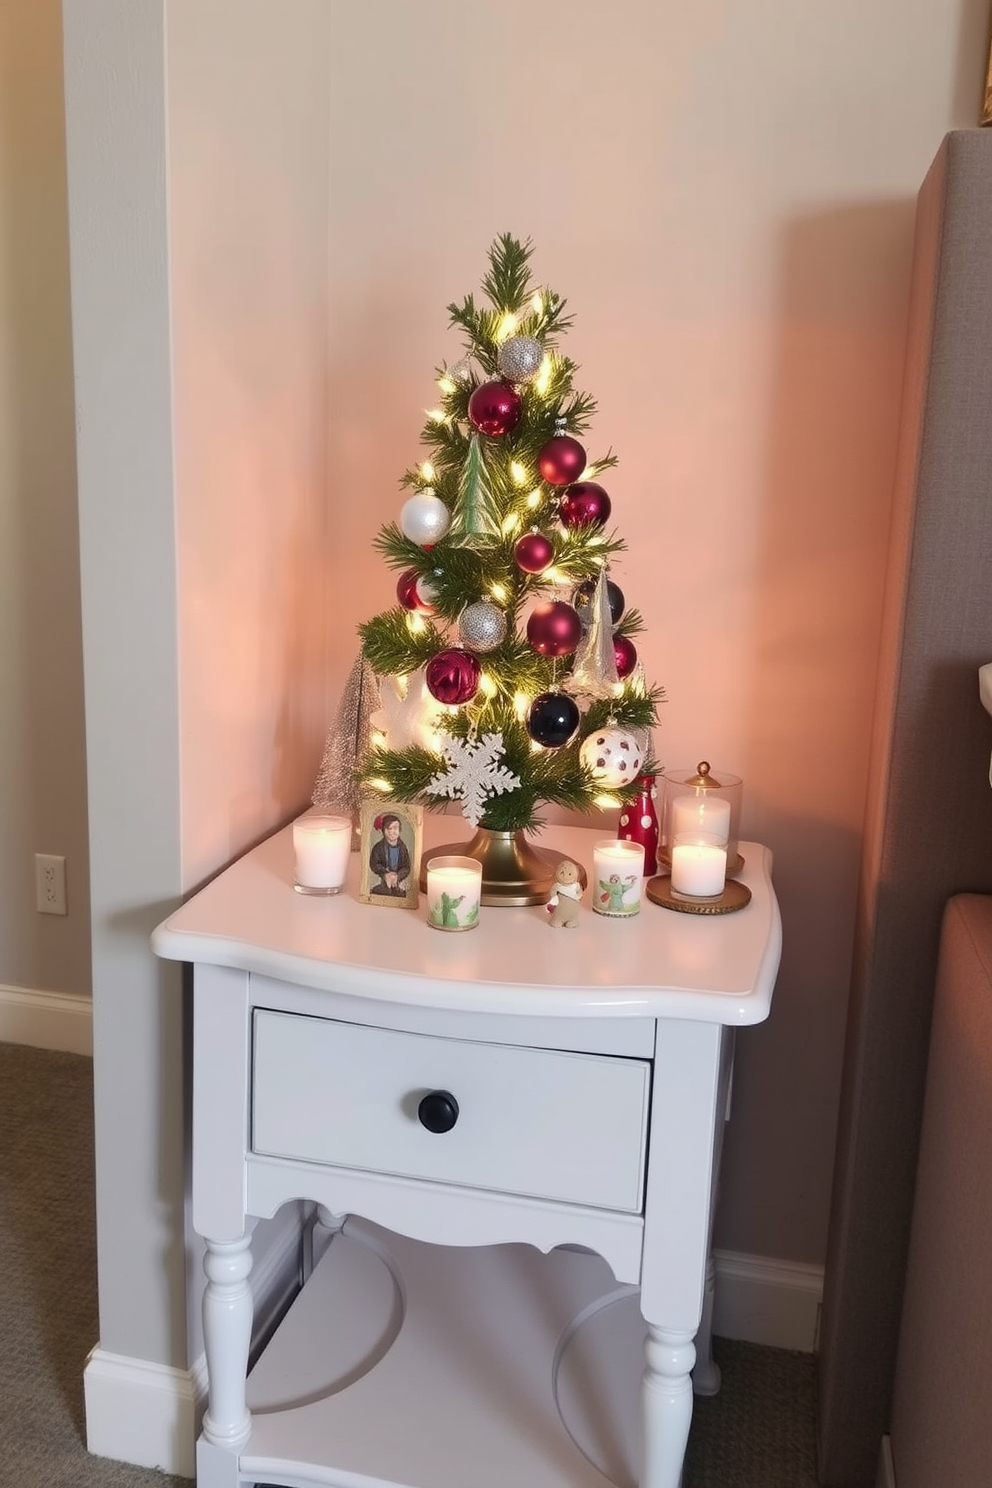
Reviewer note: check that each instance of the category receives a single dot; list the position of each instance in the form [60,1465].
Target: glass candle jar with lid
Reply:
[702,800]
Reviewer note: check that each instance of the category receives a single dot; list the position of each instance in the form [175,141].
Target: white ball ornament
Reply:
[613,755]
[424,518]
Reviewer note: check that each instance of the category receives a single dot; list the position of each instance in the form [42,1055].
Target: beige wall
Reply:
[42,753]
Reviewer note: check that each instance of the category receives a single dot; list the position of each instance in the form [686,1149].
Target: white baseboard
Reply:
[142,1413]
[886,1469]
[760,1300]
[46,1020]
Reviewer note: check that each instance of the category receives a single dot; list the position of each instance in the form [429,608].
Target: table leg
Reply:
[666,1405]
[706,1375]
[227,1318]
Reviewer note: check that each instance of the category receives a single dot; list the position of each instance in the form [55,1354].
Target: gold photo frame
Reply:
[390,854]
[987,106]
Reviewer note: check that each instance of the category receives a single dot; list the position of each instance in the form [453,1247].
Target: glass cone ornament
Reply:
[594,668]
[584,595]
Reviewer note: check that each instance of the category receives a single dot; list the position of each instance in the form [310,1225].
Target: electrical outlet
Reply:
[49,884]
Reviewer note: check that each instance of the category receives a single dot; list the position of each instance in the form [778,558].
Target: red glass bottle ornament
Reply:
[585,504]
[533,552]
[639,822]
[452,676]
[561,461]
[554,629]
[625,655]
[494,409]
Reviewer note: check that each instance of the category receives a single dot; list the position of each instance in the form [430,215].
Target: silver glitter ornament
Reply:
[520,358]
[482,626]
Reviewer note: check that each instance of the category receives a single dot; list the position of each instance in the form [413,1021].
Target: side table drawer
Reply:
[562,1126]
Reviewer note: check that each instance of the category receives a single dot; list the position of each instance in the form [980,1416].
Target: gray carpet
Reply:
[757,1433]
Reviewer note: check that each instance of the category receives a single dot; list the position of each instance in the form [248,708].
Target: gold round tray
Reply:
[735,895]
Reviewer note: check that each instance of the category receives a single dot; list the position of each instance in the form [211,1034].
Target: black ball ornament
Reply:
[553,719]
[583,597]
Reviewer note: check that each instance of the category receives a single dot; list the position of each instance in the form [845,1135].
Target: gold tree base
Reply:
[514,872]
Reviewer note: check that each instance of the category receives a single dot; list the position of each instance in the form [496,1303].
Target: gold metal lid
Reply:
[703,780]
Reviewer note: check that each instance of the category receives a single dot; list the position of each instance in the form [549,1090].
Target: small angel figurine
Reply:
[565,896]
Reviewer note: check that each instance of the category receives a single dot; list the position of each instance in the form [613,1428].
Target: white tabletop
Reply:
[709,968]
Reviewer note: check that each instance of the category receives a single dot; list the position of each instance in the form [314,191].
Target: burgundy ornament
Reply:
[554,629]
[533,552]
[407,592]
[585,504]
[494,409]
[453,676]
[562,460]
[625,655]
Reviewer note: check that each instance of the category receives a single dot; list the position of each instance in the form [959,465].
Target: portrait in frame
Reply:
[390,854]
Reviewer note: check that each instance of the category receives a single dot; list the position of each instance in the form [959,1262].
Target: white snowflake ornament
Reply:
[474,774]
[613,755]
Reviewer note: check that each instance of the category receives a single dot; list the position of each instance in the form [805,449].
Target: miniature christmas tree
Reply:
[508,673]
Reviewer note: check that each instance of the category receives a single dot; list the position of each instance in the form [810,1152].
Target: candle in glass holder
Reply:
[699,865]
[701,813]
[454,892]
[321,847]
[618,869]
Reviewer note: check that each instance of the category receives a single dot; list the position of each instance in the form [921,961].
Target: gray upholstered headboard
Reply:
[928,828]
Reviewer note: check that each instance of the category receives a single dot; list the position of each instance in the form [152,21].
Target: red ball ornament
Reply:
[453,676]
[562,460]
[625,655]
[494,409]
[533,552]
[585,504]
[408,593]
[554,629]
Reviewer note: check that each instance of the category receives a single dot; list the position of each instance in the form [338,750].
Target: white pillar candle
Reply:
[321,848]
[699,868]
[700,812]
[618,875]
[454,892]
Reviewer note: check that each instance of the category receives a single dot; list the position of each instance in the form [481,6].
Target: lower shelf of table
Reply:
[426,1366]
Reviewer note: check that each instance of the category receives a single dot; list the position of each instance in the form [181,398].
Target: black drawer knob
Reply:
[438,1111]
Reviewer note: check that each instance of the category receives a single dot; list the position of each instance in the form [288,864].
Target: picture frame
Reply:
[987,102]
[390,854]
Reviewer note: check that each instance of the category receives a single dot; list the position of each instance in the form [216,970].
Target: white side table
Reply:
[511,1137]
